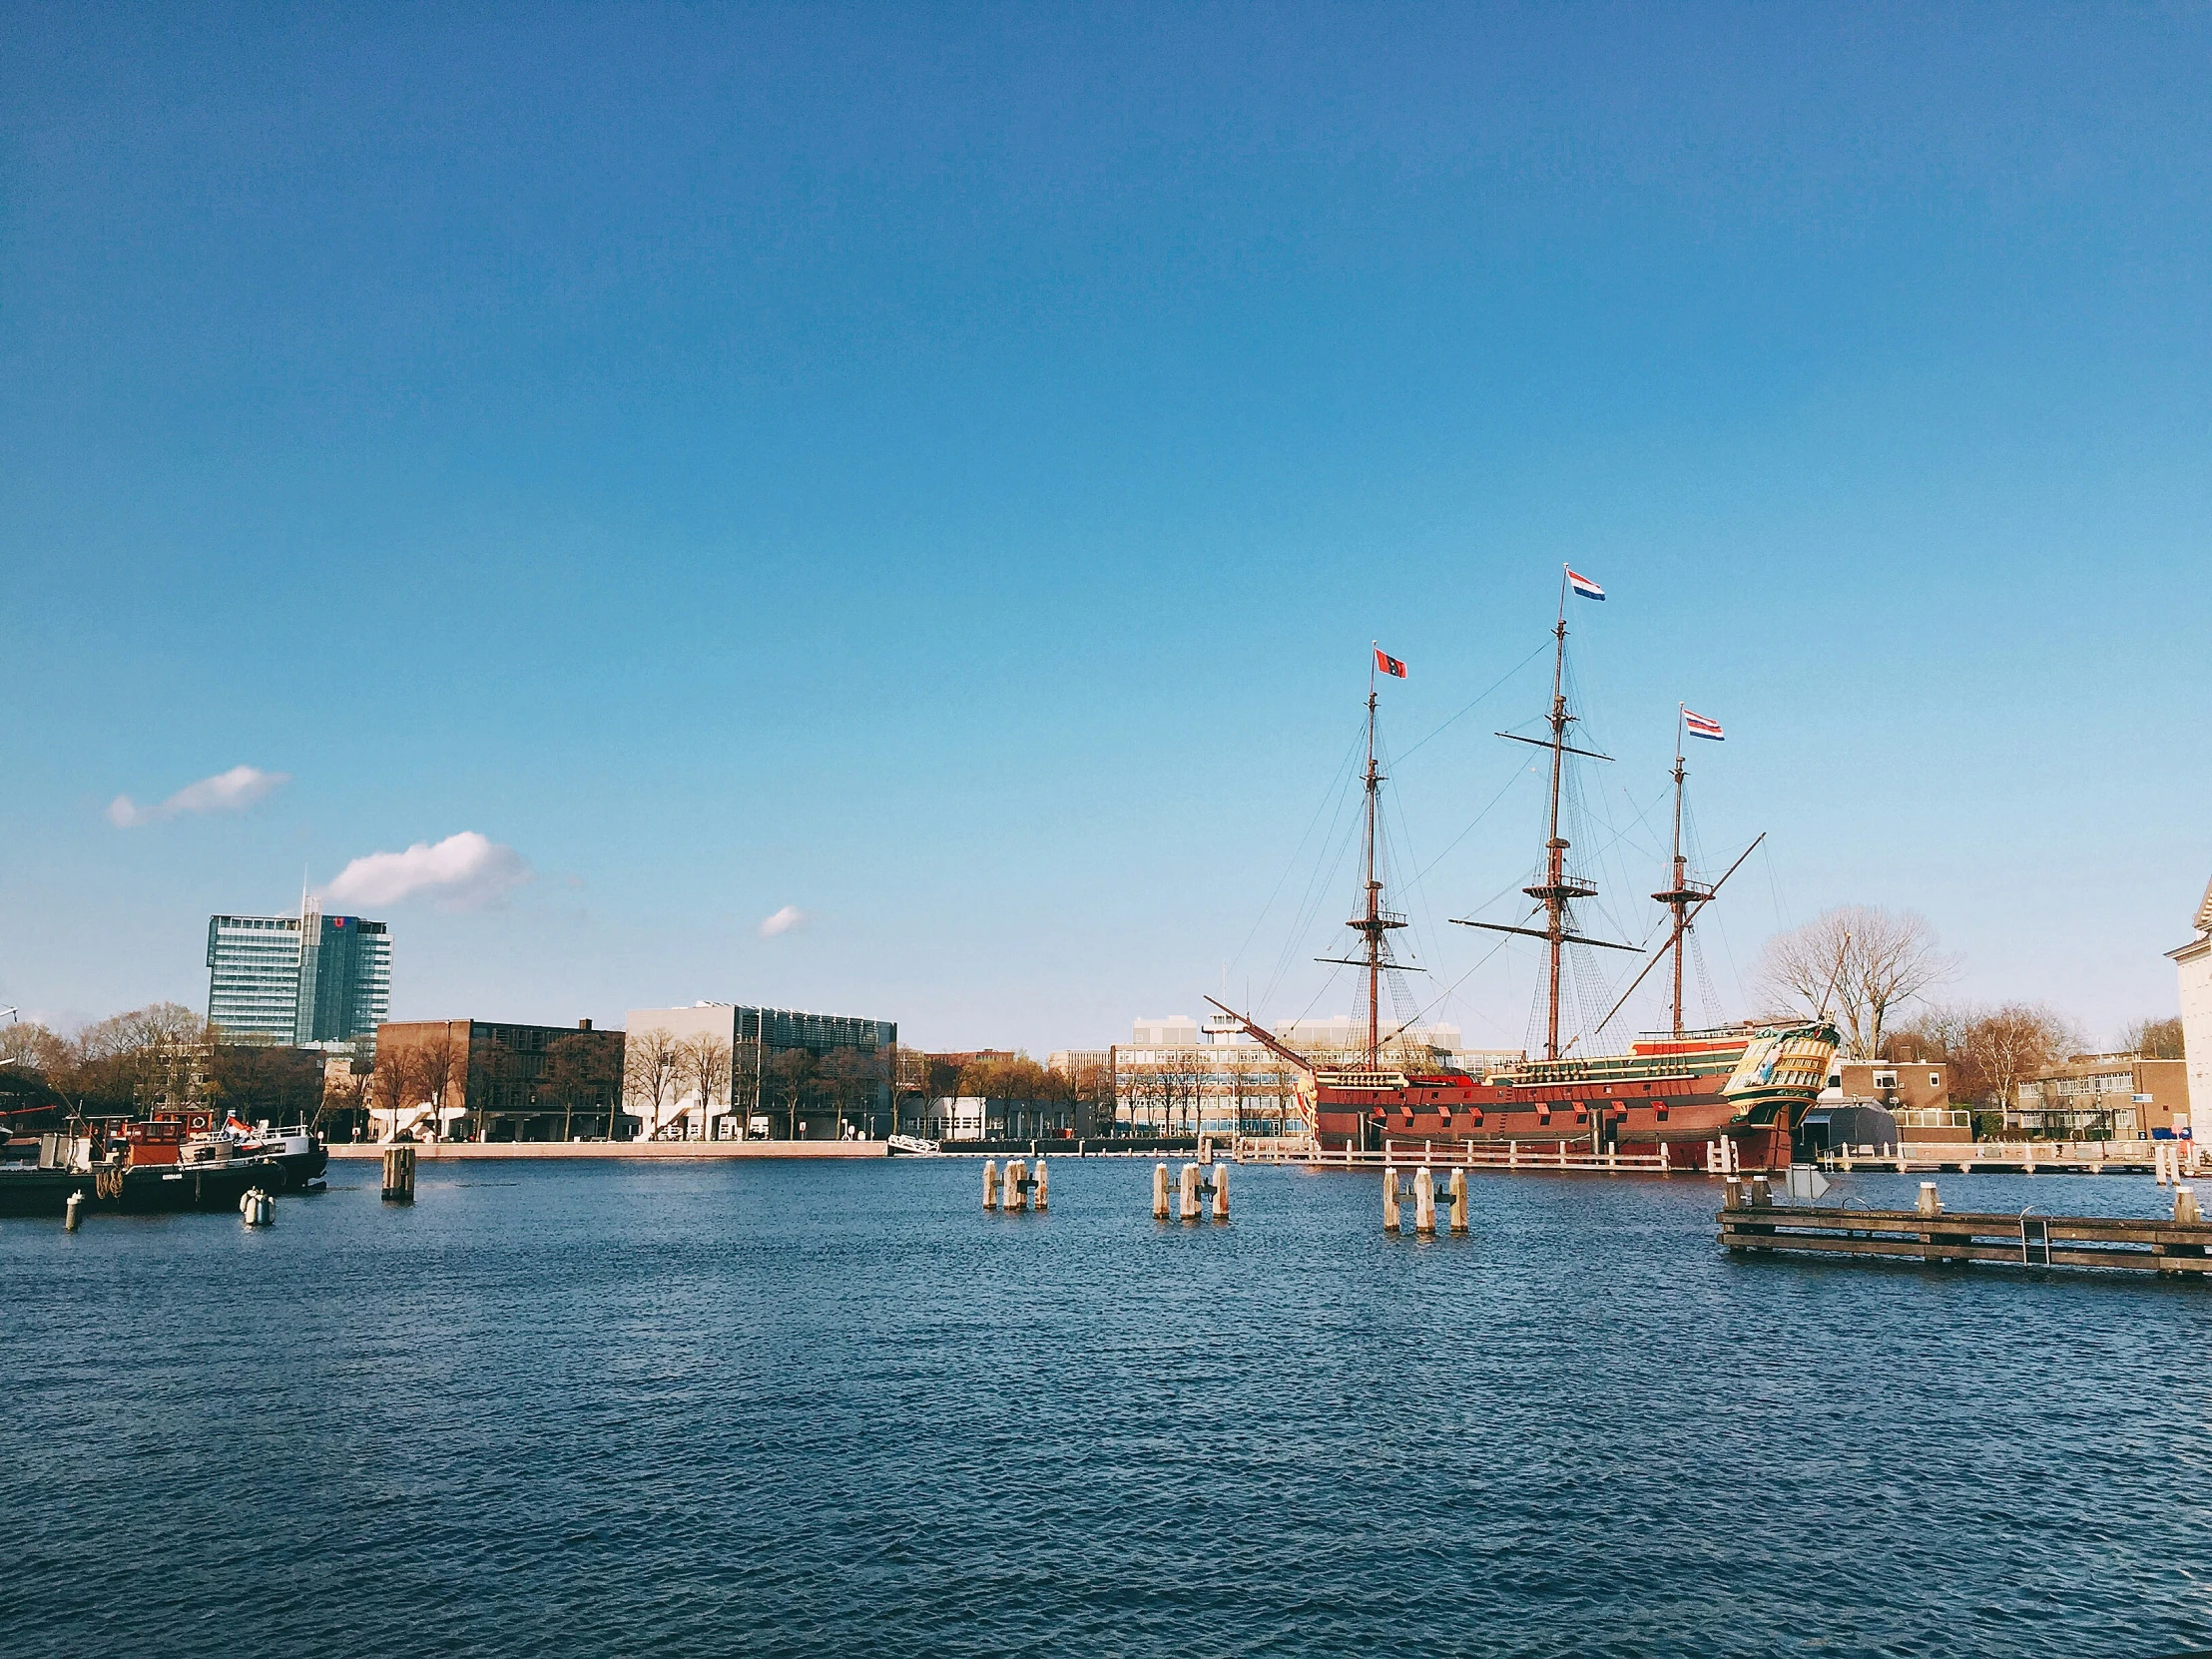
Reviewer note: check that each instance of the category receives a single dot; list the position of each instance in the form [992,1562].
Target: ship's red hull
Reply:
[1686,1114]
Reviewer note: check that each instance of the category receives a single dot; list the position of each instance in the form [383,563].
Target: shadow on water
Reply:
[778,1409]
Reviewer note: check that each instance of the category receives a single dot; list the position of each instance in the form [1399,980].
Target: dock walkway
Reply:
[1749,1225]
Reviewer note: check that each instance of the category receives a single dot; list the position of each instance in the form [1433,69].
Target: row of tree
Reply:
[663,1073]
[1865,968]
[450,1074]
[132,1061]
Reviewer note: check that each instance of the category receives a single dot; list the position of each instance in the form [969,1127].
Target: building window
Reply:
[1934,1079]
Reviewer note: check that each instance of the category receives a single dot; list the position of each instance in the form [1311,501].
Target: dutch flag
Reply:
[1583,585]
[1698,726]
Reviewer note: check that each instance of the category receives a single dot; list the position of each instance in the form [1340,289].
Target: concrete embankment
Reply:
[649,1151]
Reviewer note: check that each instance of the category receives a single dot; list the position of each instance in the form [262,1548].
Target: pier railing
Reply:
[2025,1157]
[1408,1154]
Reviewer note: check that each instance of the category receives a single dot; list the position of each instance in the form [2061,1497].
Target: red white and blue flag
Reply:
[1583,585]
[1387,664]
[1698,726]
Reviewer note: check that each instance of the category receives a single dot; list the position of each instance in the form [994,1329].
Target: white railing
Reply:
[1511,1155]
[2052,1155]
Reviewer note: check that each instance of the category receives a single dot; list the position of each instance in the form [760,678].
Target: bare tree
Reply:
[854,1080]
[345,1095]
[493,1074]
[651,1067]
[2155,1039]
[747,1068]
[128,1059]
[2010,1045]
[910,1088]
[1856,964]
[263,1078]
[791,1080]
[29,1046]
[395,1083]
[443,1072]
[578,1068]
[704,1064]
[1244,1086]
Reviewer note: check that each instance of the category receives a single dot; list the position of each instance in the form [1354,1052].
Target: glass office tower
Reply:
[326,982]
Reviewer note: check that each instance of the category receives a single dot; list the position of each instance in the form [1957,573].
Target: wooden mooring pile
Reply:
[1020,1189]
[399,1173]
[1195,1186]
[1420,1191]
[1753,1224]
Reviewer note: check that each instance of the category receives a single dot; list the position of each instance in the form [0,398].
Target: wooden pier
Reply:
[1751,1224]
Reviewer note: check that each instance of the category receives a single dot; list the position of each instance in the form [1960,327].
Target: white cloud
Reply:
[461,873]
[782,922]
[226,791]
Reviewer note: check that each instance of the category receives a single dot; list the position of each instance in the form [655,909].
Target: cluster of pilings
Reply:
[1197,1184]
[1421,1191]
[1019,1186]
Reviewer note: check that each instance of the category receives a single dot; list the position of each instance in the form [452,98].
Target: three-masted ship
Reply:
[1732,1095]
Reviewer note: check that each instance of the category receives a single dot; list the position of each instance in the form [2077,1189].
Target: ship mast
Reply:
[1557,888]
[1375,921]
[1683,895]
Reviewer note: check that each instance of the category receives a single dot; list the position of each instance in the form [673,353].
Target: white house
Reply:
[2193,962]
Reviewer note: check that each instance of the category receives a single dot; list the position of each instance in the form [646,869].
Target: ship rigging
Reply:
[1732,1095]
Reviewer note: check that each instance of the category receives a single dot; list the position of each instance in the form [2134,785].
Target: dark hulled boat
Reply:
[172,1161]
[29,1190]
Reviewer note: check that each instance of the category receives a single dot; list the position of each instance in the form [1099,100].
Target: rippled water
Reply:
[558,1409]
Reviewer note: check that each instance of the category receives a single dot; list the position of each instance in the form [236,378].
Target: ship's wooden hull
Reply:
[1691,1095]
[1686,1125]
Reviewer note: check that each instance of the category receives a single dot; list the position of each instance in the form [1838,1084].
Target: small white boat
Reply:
[914,1146]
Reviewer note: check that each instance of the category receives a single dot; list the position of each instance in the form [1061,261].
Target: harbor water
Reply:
[804,1409]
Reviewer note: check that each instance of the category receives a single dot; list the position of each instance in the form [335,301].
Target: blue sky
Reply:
[939,470]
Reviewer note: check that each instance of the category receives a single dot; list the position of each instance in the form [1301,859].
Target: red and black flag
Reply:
[1389,664]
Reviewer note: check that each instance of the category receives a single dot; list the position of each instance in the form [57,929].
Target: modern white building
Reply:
[2193,965]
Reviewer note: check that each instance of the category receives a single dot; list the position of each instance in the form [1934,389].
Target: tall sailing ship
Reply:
[1735,1093]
